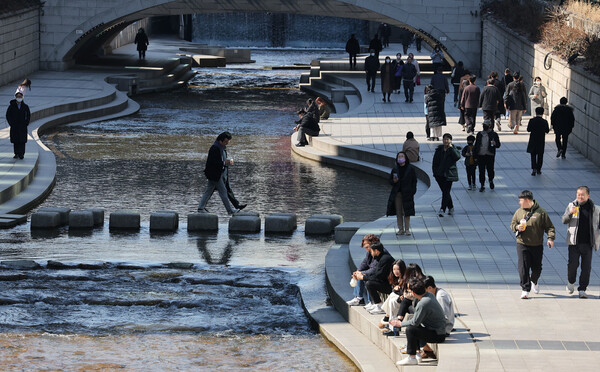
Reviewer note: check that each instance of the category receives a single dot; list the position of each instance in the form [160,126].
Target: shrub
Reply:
[525,17]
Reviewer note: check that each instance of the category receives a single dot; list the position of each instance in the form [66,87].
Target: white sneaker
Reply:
[570,288]
[355,301]
[582,294]
[408,361]
[418,356]
[524,295]
[535,288]
[369,306]
[234,211]
[377,310]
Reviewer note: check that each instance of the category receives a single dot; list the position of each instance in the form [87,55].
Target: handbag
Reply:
[418,80]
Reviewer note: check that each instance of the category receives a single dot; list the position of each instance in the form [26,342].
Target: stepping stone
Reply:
[20,264]
[45,220]
[125,220]
[247,213]
[64,213]
[244,224]
[203,222]
[98,214]
[336,219]
[81,219]
[345,231]
[317,226]
[164,221]
[280,223]
[293,215]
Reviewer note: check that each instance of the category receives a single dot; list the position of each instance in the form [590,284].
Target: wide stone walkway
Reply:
[473,253]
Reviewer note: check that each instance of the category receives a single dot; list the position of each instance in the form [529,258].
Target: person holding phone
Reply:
[401,202]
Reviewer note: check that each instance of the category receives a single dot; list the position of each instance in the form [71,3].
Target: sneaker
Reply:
[377,310]
[450,211]
[533,173]
[407,233]
[403,350]
[242,206]
[441,212]
[418,356]
[539,171]
[202,210]
[369,306]
[482,189]
[524,295]
[570,288]
[356,301]
[470,187]
[408,361]
[582,294]
[234,211]
[563,156]
[535,288]
[492,185]
[300,144]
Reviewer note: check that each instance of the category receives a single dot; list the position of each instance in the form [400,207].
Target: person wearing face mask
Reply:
[401,202]
[387,79]
[470,161]
[18,117]
[445,171]
[437,58]
[409,72]
[537,94]
[398,63]
[371,67]
[486,143]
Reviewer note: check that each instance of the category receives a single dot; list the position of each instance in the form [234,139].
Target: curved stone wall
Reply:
[20,53]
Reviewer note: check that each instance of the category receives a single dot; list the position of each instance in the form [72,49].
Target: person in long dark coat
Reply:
[376,45]
[352,48]
[18,117]
[387,78]
[436,116]
[445,171]
[141,39]
[501,110]
[563,121]
[401,202]
[538,127]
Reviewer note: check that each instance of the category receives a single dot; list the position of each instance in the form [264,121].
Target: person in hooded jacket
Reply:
[18,116]
[445,171]
[401,201]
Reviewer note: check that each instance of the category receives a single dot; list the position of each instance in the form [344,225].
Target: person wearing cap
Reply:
[515,100]
[445,171]
[18,116]
[529,223]
[486,143]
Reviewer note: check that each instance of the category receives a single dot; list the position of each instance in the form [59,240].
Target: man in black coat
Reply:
[377,282]
[216,172]
[376,45]
[563,121]
[486,143]
[538,127]
[18,117]
[501,110]
[352,48]
[308,125]
[371,68]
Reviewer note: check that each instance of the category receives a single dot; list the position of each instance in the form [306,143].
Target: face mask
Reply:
[401,161]
[387,61]
[537,83]
[372,54]
[19,100]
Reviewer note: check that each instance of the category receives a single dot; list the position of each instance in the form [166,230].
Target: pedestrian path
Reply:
[472,254]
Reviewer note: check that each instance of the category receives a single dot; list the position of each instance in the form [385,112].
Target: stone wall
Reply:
[127,36]
[503,48]
[20,40]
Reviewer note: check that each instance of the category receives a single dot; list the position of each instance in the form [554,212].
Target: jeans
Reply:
[445,186]
[529,258]
[486,162]
[221,189]
[417,336]
[586,252]
[409,89]
[302,132]
[561,145]
[359,291]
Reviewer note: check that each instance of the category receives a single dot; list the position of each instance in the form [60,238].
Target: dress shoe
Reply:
[242,206]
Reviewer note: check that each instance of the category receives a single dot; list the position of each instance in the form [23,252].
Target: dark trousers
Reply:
[445,186]
[418,44]
[427,129]
[405,307]
[417,336]
[486,162]
[142,54]
[19,149]
[409,89]
[456,89]
[302,132]
[371,81]
[471,174]
[529,258]
[585,251]
[352,59]
[561,142]
[489,114]
[374,287]
[470,115]
[537,159]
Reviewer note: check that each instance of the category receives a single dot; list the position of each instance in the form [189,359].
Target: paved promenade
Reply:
[473,252]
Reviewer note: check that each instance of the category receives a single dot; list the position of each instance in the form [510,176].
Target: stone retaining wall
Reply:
[504,48]
[20,40]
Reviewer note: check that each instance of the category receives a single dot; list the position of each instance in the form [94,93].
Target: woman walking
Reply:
[141,39]
[388,71]
[18,117]
[445,171]
[401,202]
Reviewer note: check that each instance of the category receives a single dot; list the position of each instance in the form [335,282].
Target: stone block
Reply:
[292,215]
[203,222]
[244,224]
[64,213]
[124,219]
[345,231]
[335,219]
[20,264]
[98,214]
[317,226]
[81,219]
[45,220]
[247,213]
[280,224]
[164,221]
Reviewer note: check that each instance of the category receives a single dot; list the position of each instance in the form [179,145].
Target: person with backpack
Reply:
[515,101]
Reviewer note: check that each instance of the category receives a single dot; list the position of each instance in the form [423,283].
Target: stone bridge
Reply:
[74,28]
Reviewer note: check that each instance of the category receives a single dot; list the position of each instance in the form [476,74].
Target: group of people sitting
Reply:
[413,301]
[309,118]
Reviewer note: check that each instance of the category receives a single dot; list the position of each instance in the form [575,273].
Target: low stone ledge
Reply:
[45,220]
[244,224]
[203,222]
[345,231]
[98,214]
[81,219]
[317,226]
[164,221]
[124,220]
[64,213]
[280,223]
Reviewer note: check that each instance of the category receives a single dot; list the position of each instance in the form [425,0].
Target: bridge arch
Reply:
[450,23]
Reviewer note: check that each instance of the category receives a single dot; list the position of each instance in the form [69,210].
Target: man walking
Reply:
[18,116]
[488,100]
[371,69]
[486,143]
[216,172]
[409,72]
[563,121]
[529,224]
[515,100]
[582,217]
[469,103]
[538,127]
[352,48]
